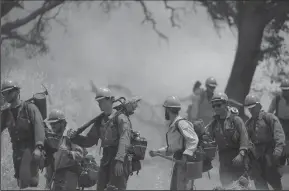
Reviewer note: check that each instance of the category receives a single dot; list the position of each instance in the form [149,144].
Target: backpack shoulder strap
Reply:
[265,118]
[177,124]
[115,121]
[178,129]
[278,98]
[25,108]
[233,119]
[4,115]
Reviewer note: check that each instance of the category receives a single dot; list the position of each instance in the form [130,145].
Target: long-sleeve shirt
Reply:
[266,133]
[68,154]
[177,139]
[283,107]
[229,133]
[110,136]
[73,152]
[20,131]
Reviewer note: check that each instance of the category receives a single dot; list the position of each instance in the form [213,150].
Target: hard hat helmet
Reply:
[251,100]
[172,102]
[103,93]
[211,82]
[285,84]
[219,96]
[9,85]
[55,115]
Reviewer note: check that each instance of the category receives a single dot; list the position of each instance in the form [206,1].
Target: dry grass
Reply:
[77,102]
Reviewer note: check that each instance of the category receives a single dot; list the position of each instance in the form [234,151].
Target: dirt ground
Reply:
[157,177]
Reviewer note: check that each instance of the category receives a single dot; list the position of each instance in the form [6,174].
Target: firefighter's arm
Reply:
[278,133]
[272,106]
[90,139]
[124,128]
[188,98]
[38,124]
[77,153]
[244,138]
[3,125]
[190,136]
[164,151]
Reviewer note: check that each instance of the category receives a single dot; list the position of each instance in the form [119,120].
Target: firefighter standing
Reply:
[63,168]
[230,134]
[114,133]
[280,106]
[268,137]
[26,129]
[203,107]
[182,142]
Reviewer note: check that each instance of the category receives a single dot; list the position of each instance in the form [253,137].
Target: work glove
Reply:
[37,154]
[39,157]
[238,160]
[71,133]
[153,153]
[118,169]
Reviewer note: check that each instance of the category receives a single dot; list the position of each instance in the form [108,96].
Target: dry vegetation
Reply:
[76,100]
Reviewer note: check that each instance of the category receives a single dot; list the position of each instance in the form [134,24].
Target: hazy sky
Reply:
[118,48]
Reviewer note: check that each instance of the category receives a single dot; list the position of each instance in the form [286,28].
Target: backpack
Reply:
[89,172]
[234,112]
[206,148]
[137,149]
[39,100]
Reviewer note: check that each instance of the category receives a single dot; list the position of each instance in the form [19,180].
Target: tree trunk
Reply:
[249,41]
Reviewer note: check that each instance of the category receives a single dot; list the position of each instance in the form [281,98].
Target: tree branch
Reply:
[173,14]
[7,27]
[7,6]
[150,19]
[279,9]
[14,35]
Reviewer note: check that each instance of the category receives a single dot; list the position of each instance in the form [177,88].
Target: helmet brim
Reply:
[51,120]
[7,89]
[99,98]
[212,85]
[250,106]
[218,101]
[165,106]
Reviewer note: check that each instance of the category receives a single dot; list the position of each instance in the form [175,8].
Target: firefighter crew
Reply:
[63,169]
[203,106]
[26,129]
[176,137]
[268,137]
[230,134]
[280,106]
[115,140]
